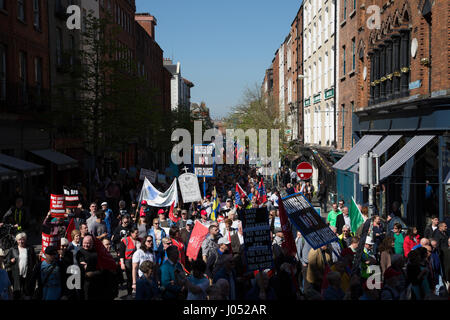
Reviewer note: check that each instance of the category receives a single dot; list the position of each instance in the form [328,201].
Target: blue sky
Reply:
[223,46]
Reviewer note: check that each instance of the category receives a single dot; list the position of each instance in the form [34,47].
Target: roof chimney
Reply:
[148,22]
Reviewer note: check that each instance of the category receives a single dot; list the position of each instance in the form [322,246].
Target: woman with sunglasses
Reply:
[144,253]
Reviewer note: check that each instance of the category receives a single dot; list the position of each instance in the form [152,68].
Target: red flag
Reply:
[180,247]
[171,216]
[262,196]
[199,234]
[289,242]
[69,230]
[240,195]
[105,261]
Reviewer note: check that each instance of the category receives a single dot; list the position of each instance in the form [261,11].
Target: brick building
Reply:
[24,94]
[403,105]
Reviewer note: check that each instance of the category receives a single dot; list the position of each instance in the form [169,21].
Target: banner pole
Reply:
[204,187]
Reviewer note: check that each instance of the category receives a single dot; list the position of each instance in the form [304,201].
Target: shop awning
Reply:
[62,161]
[447,179]
[381,148]
[322,161]
[28,168]
[403,155]
[6,174]
[366,143]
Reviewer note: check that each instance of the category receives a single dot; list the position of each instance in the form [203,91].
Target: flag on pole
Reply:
[262,195]
[171,216]
[356,218]
[215,207]
[240,195]
[69,230]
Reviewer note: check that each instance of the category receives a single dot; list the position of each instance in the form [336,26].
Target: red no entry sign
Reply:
[304,170]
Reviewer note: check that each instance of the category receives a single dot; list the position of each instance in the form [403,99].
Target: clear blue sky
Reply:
[223,46]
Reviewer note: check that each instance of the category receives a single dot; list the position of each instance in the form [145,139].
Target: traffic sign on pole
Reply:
[304,170]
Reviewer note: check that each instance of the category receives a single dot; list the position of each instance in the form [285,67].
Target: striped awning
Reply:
[403,155]
[62,161]
[381,148]
[6,174]
[366,143]
[28,168]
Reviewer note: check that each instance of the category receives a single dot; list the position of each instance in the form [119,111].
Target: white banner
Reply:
[190,190]
[149,174]
[155,198]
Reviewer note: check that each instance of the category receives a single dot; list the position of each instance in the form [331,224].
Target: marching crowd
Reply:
[141,249]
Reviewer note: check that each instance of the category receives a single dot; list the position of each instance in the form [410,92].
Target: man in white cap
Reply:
[368,257]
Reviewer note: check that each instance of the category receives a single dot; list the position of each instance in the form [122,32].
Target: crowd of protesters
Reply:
[145,247]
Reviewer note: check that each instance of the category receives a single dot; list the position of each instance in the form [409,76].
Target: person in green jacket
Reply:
[332,215]
[399,238]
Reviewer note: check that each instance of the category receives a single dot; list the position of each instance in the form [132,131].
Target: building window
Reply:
[21,10]
[36,14]
[345,10]
[23,75]
[38,75]
[343,125]
[353,54]
[2,72]
[2,4]
[354,4]
[343,60]
[59,47]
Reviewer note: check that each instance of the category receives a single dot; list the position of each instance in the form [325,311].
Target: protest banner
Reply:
[258,243]
[49,240]
[204,160]
[71,197]
[149,174]
[189,187]
[199,234]
[306,219]
[57,207]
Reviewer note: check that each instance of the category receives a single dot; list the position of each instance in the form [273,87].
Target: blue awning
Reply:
[27,168]
[403,155]
[62,161]
[366,143]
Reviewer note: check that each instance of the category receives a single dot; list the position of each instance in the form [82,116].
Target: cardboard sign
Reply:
[49,240]
[204,160]
[57,206]
[189,187]
[258,243]
[149,174]
[199,234]
[71,197]
[310,224]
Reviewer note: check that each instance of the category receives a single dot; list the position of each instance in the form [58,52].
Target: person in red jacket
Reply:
[411,240]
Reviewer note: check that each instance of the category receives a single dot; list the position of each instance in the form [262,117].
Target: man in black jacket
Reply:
[429,229]
[440,235]
[18,216]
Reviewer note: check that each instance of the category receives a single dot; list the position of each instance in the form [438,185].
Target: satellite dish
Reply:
[414,46]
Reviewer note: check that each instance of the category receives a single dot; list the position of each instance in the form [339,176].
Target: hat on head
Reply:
[104,204]
[208,196]
[190,222]
[161,211]
[229,200]
[144,203]
[220,218]
[391,273]
[51,251]
[203,213]
[223,241]
[369,240]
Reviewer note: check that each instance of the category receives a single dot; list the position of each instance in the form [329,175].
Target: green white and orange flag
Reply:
[356,218]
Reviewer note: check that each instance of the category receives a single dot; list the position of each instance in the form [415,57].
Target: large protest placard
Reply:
[204,160]
[190,190]
[71,197]
[310,224]
[149,174]
[49,240]
[199,234]
[258,243]
[57,207]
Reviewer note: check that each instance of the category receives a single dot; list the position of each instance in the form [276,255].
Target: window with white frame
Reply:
[320,75]
[332,17]
[314,78]
[320,32]
[325,68]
